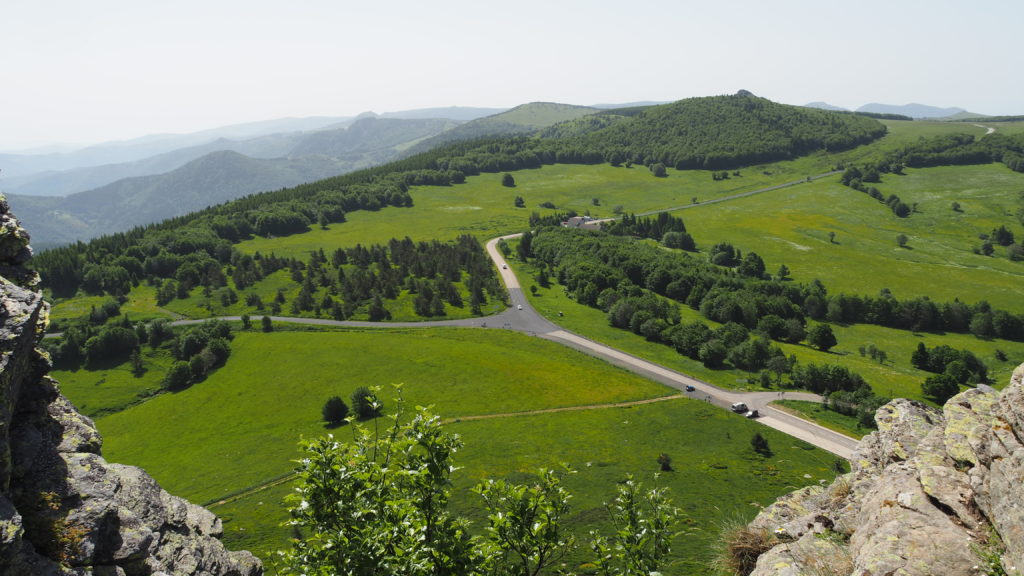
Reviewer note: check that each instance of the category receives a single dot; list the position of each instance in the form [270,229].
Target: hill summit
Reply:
[717,132]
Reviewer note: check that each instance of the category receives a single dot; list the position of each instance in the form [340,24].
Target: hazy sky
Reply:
[89,71]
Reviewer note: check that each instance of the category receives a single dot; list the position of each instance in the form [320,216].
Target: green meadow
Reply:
[484,208]
[248,415]
[239,428]
[830,419]
[717,477]
[791,226]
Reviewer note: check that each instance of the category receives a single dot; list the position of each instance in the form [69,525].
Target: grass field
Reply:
[484,208]
[112,389]
[814,412]
[248,416]
[240,427]
[717,476]
[792,226]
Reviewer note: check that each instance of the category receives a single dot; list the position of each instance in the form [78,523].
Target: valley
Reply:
[238,428]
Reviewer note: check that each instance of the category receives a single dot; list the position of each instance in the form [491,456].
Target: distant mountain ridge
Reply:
[825,106]
[152,145]
[523,119]
[913,110]
[44,172]
[219,176]
[212,179]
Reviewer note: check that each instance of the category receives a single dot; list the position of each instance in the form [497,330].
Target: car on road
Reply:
[504,266]
[752,414]
[520,307]
[690,388]
[739,408]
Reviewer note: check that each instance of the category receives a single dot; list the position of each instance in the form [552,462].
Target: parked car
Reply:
[739,408]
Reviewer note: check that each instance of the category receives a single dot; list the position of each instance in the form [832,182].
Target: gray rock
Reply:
[64,510]
[924,492]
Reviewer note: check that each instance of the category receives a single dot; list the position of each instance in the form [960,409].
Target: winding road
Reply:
[522,317]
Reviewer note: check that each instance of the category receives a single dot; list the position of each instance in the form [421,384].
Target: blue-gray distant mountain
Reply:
[218,177]
[369,143]
[825,106]
[212,179]
[912,110]
[460,113]
[523,119]
[146,146]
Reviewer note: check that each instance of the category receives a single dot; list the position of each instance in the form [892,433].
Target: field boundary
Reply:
[287,477]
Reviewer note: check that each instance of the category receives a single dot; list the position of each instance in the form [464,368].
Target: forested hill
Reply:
[720,132]
[212,179]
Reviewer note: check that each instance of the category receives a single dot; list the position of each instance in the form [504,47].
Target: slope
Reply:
[212,179]
[523,119]
[218,176]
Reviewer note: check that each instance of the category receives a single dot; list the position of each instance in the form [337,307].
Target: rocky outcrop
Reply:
[64,510]
[929,493]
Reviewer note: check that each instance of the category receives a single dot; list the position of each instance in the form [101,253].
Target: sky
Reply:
[82,72]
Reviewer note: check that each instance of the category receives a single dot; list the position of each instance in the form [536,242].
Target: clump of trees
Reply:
[197,350]
[382,501]
[855,178]
[760,444]
[960,365]
[334,411]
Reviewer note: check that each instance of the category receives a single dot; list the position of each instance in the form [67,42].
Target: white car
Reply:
[504,266]
[520,307]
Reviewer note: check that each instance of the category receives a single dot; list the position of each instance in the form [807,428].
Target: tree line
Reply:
[588,263]
[952,150]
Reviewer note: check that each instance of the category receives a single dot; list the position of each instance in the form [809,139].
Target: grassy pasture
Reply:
[114,388]
[247,416]
[717,476]
[239,428]
[484,208]
[792,226]
[829,419]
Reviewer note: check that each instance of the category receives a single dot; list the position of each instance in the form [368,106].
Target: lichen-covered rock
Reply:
[810,555]
[64,510]
[924,493]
